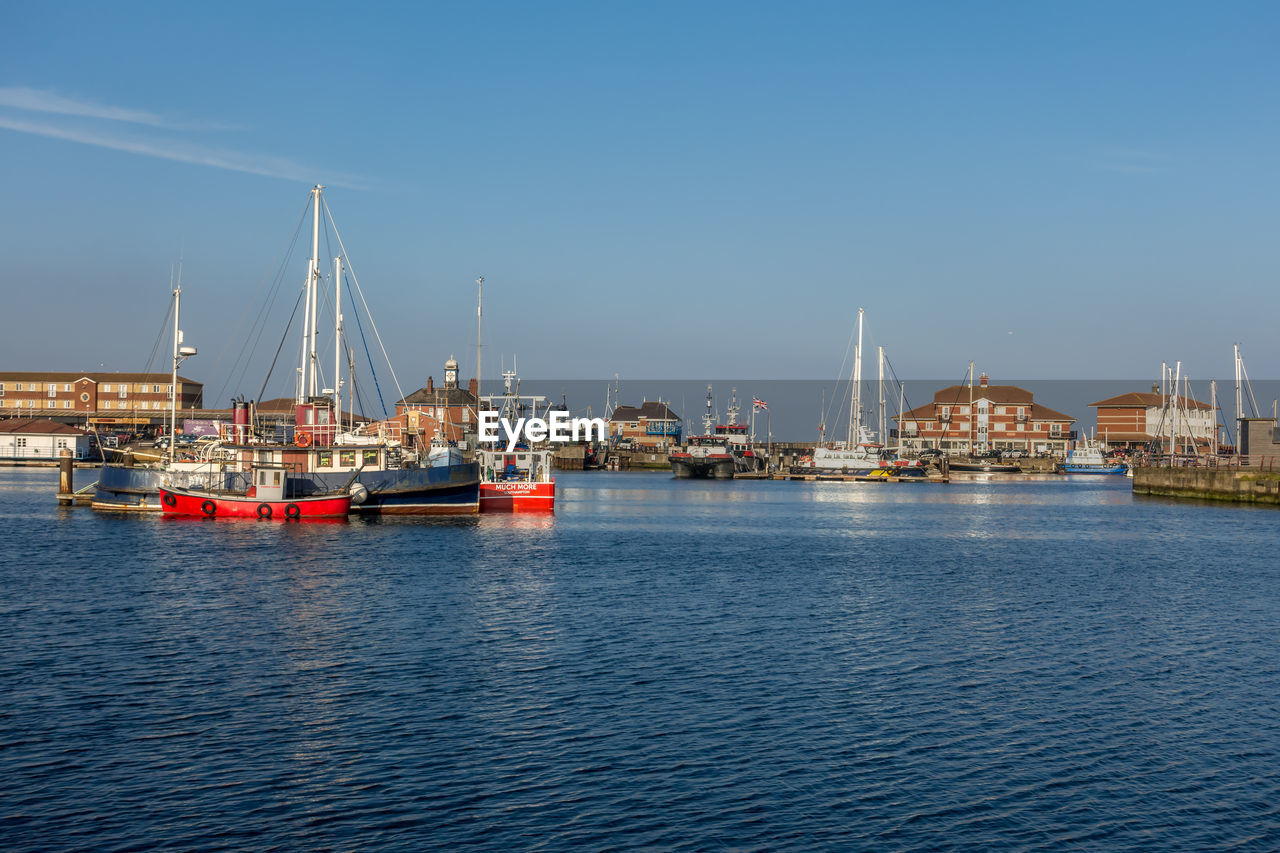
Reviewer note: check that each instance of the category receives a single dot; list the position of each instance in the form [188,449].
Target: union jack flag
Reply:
[757,403]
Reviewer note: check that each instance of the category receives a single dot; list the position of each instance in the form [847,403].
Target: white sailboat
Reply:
[860,451]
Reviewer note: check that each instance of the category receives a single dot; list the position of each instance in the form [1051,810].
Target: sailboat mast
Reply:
[313,279]
[880,382]
[173,381]
[971,421]
[1239,394]
[337,336]
[902,397]
[1213,412]
[855,398]
[479,346]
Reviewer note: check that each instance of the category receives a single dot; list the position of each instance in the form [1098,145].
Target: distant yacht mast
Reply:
[307,383]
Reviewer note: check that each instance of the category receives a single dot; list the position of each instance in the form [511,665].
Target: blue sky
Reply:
[656,190]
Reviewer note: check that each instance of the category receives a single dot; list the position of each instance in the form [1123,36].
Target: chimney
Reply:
[431,385]
[471,386]
[984,380]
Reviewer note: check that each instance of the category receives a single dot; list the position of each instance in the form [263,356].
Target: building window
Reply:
[106,404]
[17,386]
[21,441]
[155,389]
[66,404]
[1,387]
[31,404]
[67,387]
[124,393]
[53,390]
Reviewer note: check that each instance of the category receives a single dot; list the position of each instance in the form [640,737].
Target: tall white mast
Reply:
[1239,389]
[479,347]
[1173,423]
[855,399]
[177,340]
[971,418]
[337,338]
[180,353]
[313,291]
[902,398]
[882,423]
[1213,413]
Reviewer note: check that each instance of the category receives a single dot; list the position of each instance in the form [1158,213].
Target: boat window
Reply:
[276,479]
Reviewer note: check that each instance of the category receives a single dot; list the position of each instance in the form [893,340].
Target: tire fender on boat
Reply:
[292,511]
[169,499]
[264,510]
[208,508]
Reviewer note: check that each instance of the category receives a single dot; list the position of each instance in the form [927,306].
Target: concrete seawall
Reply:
[1237,484]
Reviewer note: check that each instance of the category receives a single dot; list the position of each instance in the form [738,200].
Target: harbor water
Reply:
[677,665]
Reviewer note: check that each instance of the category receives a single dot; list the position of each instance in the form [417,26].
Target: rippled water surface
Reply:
[664,664]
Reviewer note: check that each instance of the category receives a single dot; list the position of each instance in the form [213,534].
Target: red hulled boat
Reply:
[265,500]
[520,481]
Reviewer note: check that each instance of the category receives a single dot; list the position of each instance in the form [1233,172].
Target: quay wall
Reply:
[1239,485]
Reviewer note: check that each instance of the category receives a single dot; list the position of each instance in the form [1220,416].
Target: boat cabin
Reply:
[269,483]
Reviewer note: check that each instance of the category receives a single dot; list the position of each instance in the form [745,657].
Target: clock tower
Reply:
[451,373]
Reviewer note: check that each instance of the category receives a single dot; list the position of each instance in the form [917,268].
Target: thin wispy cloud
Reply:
[106,126]
[181,152]
[45,101]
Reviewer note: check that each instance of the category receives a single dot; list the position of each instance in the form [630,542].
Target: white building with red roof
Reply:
[31,440]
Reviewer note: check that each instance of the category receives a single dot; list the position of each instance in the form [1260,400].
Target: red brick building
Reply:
[121,398]
[1138,418]
[966,419]
[445,409]
[652,426]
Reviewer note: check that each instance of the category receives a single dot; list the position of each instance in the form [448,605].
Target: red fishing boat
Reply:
[265,500]
[520,481]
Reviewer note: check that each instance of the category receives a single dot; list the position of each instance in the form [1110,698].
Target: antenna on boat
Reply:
[180,353]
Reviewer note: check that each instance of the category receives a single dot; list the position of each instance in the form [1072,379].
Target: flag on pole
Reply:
[757,403]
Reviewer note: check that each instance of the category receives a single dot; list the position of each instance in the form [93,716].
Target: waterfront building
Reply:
[652,426]
[32,439]
[1139,418]
[966,419]
[104,398]
[1259,440]
[446,411]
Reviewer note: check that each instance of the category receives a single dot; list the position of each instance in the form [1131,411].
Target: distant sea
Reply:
[796,405]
